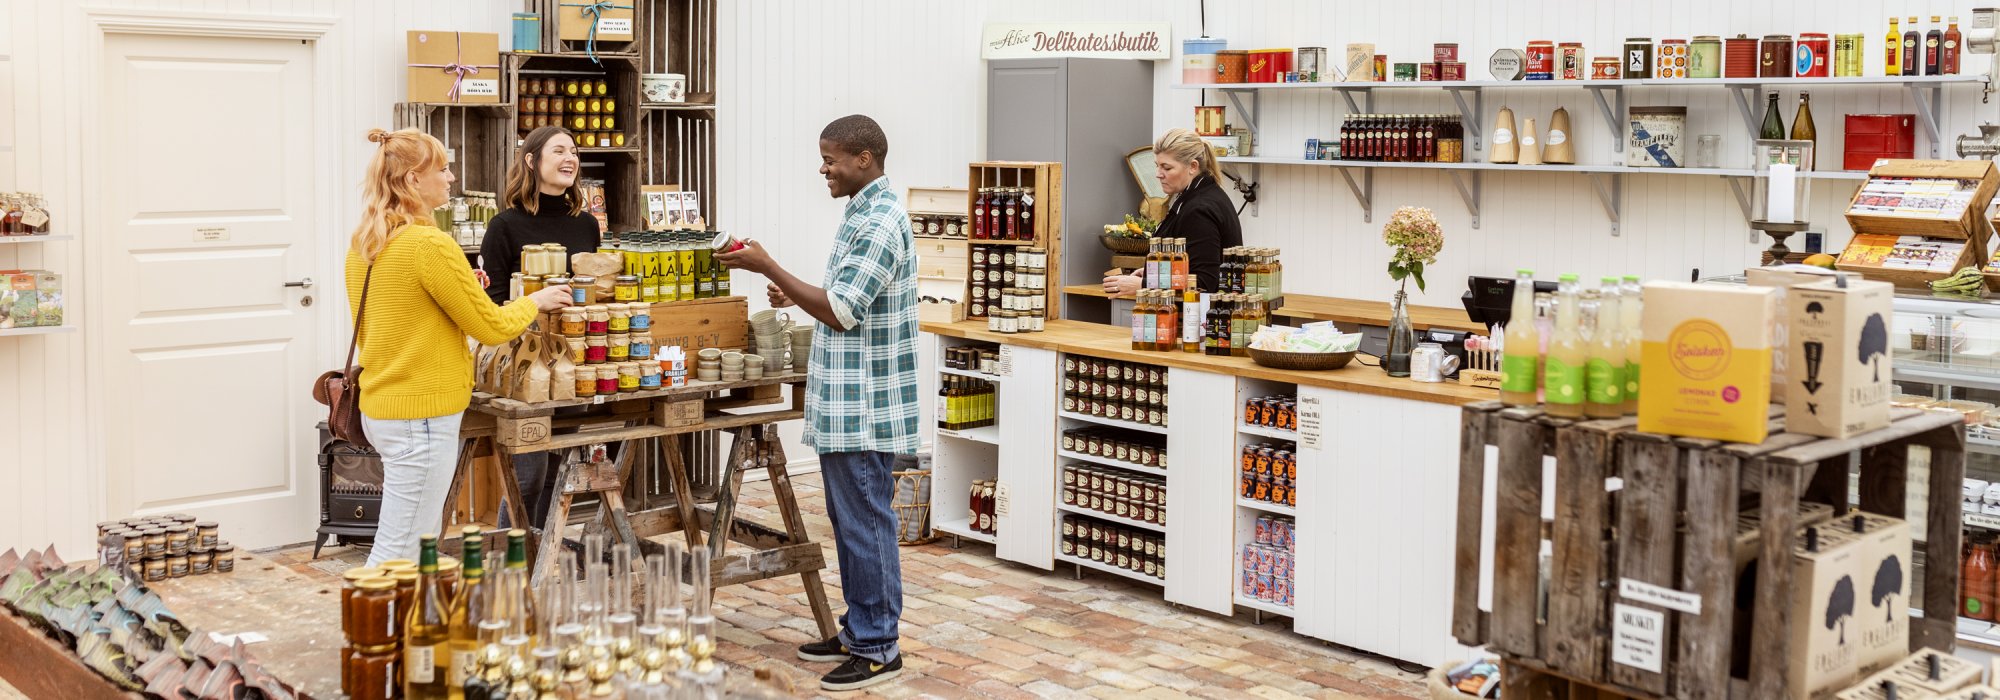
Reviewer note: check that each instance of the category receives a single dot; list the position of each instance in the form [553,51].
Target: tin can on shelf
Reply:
[1847,55]
[1444,52]
[1541,60]
[1406,72]
[1208,120]
[1604,68]
[1381,67]
[1705,57]
[1266,65]
[1774,56]
[1427,72]
[1451,71]
[1570,61]
[1739,57]
[1232,66]
[1198,60]
[1809,56]
[1671,59]
[1638,58]
[1310,64]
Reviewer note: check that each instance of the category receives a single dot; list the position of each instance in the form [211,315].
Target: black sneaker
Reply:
[829,650]
[860,673]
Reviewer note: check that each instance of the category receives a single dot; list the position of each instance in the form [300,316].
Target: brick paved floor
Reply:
[974,626]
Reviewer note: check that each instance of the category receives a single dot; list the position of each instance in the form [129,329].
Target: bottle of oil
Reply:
[427,634]
[1170,323]
[1239,326]
[1138,319]
[1933,44]
[1190,319]
[1180,263]
[1522,345]
[1218,325]
[1277,273]
[1893,51]
[944,403]
[1151,280]
[1913,58]
[1628,312]
[1564,391]
[1604,374]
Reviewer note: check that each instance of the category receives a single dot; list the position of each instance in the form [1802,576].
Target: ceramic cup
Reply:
[732,375]
[770,321]
[753,361]
[753,372]
[707,375]
[709,353]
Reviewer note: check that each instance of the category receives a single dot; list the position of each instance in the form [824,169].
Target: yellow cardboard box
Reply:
[460,67]
[1706,360]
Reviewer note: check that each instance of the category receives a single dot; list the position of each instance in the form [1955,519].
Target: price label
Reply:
[613,25]
[1662,596]
[35,218]
[1000,500]
[1309,422]
[1638,637]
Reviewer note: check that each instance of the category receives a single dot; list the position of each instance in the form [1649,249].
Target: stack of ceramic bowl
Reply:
[708,365]
[753,366]
[732,366]
[802,347]
[768,329]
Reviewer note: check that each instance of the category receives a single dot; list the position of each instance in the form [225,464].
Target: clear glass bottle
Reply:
[468,609]
[1628,312]
[1565,386]
[427,633]
[1604,372]
[1402,338]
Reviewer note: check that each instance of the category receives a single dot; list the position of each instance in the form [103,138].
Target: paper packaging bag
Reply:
[1783,278]
[1706,361]
[1361,63]
[18,300]
[49,298]
[440,62]
[1839,358]
[1827,597]
[1881,624]
[613,20]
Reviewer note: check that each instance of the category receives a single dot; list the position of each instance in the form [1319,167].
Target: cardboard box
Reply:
[1706,360]
[1744,551]
[1882,610]
[1826,598]
[455,67]
[1966,224]
[1839,354]
[611,21]
[703,323]
[1782,279]
[1912,674]
[940,312]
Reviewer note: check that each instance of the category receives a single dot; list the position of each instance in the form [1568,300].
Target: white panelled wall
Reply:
[789,66]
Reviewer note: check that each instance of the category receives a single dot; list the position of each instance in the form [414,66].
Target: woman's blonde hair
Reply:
[524,181]
[1184,146]
[388,200]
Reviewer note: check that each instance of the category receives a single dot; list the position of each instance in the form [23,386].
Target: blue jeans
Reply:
[418,460]
[859,489]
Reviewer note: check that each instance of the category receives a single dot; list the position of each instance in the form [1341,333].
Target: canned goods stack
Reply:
[1277,412]
[1115,492]
[1131,549]
[1009,288]
[165,546]
[1267,564]
[1270,473]
[1127,391]
[1139,449]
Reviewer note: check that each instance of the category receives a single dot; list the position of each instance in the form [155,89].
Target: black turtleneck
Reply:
[500,253]
[1204,216]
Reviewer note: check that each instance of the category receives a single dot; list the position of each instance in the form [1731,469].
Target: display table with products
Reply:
[1360,529]
[653,425]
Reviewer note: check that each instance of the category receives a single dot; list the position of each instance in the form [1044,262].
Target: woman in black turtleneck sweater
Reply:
[1200,212]
[544,205]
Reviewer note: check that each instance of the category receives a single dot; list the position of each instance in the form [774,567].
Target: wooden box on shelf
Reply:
[1045,183]
[703,323]
[454,67]
[680,39]
[1968,224]
[942,258]
[479,139]
[950,201]
[940,312]
[1866,254]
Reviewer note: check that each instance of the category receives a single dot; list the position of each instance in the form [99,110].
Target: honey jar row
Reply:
[1115,492]
[166,546]
[1131,549]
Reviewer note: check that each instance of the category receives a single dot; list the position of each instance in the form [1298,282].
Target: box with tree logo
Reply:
[1838,359]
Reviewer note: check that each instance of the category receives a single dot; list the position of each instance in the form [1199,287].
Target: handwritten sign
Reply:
[1145,41]
[1309,422]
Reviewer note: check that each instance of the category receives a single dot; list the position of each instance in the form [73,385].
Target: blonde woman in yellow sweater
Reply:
[421,301]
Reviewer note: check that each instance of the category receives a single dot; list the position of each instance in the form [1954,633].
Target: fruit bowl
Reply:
[1127,245]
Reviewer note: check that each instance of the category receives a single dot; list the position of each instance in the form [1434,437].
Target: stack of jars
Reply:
[984,520]
[1115,492]
[373,630]
[612,347]
[1131,549]
[23,214]
[584,106]
[544,266]
[940,225]
[1009,288]
[1127,391]
[167,546]
[1004,214]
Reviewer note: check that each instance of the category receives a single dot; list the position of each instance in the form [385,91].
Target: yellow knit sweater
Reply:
[422,303]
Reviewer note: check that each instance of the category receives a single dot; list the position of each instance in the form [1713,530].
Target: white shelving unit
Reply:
[1113,422]
[962,529]
[1109,518]
[1927,92]
[1268,507]
[37,330]
[1109,569]
[968,373]
[1128,466]
[1261,606]
[35,239]
[988,434]
[1020,464]
[1272,433]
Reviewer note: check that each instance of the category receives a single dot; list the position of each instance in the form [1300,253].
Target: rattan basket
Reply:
[1306,361]
[913,507]
[1125,244]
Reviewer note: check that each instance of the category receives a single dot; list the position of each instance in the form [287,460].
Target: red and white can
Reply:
[1541,60]
[1571,64]
[1739,57]
[1427,72]
[724,243]
[1810,56]
[1451,70]
[1605,68]
[1441,53]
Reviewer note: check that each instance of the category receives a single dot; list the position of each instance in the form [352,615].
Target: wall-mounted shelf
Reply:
[35,239]
[1927,92]
[37,330]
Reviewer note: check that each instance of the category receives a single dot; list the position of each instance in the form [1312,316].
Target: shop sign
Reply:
[1148,41]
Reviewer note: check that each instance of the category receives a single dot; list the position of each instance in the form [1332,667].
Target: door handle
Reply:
[306,283]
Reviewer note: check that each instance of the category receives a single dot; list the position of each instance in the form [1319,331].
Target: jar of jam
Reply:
[625,288]
[628,376]
[618,347]
[599,319]
[225,557]
[607,378]
[177,565]
[649,375]
[178,537]
[207,534]
[371,674]
[596,349]
[200,563]
[579,349]
[351,584]
[156,542]
[621,317]
[641,348]
[135,548]
[156,569]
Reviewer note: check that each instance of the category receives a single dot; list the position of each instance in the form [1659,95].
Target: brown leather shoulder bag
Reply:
[340,389]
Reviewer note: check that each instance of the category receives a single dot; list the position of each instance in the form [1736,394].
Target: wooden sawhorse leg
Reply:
[574,476]
[759,446]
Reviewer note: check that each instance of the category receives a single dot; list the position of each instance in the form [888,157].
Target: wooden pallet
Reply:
[1671,525]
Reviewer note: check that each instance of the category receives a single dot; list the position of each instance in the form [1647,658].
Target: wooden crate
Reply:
[1670,524]
[680,38]
[1969,224]
[479,138]
[703,323]
[942,258]
[1973,255]
[1047,181]
[680,150]
[950,201]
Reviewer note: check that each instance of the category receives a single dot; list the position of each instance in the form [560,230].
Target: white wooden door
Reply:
[205,212]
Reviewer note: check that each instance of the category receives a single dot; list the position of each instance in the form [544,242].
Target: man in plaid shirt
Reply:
[861,391]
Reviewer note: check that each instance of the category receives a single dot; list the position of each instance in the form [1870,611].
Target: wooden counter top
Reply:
[1115,343]
[1338,310]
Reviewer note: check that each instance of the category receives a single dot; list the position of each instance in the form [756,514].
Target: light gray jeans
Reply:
[418,459]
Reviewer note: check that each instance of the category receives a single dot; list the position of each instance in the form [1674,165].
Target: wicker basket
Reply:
[913,507]
[1306,361]
[1125,244]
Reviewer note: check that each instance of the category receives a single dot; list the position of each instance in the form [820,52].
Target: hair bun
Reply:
[378,136]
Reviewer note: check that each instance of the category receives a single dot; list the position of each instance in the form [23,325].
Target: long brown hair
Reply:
[388,200]
[524,178]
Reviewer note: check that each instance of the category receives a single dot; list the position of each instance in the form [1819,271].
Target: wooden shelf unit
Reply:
[1047,181]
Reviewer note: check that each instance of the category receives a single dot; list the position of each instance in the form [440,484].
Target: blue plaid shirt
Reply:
[861,393]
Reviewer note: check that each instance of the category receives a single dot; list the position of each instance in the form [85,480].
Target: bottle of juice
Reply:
[1605,372]
[1564,390]
[1154,261]
[1523,345]
[1628,310]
